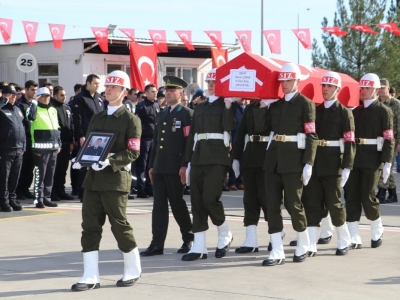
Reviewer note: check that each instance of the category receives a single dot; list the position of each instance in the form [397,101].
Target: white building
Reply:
[80,57]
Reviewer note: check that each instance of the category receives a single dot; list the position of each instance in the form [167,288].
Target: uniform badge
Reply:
[174,125]
[178,124]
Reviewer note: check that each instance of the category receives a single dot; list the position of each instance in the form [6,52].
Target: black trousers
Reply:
[142,167]
[45,165]
[205,194]
[168,187]
[61,168]
[290,187]
[10,167]
[74,173]
[26,176]
[255,196]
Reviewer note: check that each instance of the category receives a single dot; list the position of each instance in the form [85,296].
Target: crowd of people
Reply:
[280,151]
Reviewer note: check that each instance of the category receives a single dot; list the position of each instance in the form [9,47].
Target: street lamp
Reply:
[298,42]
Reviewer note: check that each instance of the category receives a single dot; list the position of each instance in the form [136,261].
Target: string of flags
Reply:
[159,37]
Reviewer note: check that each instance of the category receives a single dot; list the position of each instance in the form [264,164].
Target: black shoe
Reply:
[74,192]
[381,195]
[131,197]
[152,250]
[392,196]
[55,197]
[21,196]
[150,194]
[49,203]
[225,188]
[311,254]
[64,196]
[127,283]
[142,195]
[6,208]
[343,251]
[269,247]
[186,191]
[219,253]
[15,206]
[185,248]
[80,287]
[376,244]
[29,195]
[246,249]
[39,205]
[355,246]
[133,191]
[324,241]
[194,256]
[300,258]
[273,262]
[293,243]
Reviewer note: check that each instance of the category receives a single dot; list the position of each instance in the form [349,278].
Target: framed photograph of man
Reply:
[96,147]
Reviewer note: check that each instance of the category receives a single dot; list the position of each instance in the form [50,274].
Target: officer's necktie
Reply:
[169,110]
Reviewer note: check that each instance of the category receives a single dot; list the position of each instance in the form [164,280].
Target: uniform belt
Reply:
[361,141]
[258,138]
[324,143]
[285,138]
[210,136]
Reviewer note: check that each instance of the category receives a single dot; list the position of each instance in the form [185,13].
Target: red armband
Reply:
[348,136]
[134,144]
[388,134]
[186,130]
[309,127]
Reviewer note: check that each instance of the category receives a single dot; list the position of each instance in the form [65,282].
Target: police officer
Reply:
[168,168]
[12,146]
[107,185]
[67,143]
[333,162]
[85,105]
[394,105]
[207,150]
[374,153]
[288,161]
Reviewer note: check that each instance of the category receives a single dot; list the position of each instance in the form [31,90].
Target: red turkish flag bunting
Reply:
[57,34]
[219,57]
[391,27]
[215,37]
[186,38]
[130,33]
[363,28]
[273,38]
[304,37]
[159,38]
[143,65]
[30,31]
[6,29]
[245,39]
[101,35]
[335,30]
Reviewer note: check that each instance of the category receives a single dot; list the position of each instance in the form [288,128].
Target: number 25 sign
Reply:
[26,62]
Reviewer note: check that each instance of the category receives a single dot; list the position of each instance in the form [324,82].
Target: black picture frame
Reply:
[96,147]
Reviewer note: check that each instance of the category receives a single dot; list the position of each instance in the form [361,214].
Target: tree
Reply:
[356,53]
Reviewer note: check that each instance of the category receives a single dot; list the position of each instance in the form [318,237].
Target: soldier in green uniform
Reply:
[335,126]
[168,168]
[394,105]
[288,161]
[107,185]
[374,153]
[207,150]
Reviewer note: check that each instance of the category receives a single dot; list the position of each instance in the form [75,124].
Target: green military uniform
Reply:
[284,162]
[323,192]
[208,162]
[251,157]
[370,123]
[106,191]
[167,157]
[394,105]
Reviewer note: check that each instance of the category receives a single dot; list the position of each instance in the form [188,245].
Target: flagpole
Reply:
[262,27]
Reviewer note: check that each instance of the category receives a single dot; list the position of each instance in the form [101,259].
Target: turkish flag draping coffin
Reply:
[255,77]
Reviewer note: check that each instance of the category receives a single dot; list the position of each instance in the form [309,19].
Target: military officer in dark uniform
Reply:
[288,161]
[107,185]
[168,168]
[12,146]
[333,162]
[374,154]
[95,150]
[207,150]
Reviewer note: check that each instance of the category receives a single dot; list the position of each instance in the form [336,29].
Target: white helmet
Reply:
[211,75]
[370,80]
[289,71]
[332,78]
[118,78]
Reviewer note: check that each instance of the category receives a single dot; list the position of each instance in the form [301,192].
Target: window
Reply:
[48,73]
[187,74]
[111,68]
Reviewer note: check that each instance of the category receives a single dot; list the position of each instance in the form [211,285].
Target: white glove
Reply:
[228,102]
[188,175]
[236,167]
[345,176]
[386,171]
[101,165]
[307,171]
[267,102]
[73,160]
[76,165]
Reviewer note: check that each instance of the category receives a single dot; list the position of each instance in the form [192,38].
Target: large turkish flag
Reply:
[143,65]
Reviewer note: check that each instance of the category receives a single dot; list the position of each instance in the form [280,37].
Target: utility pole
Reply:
[262,27]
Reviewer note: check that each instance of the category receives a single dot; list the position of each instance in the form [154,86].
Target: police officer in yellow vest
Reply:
[107,185]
